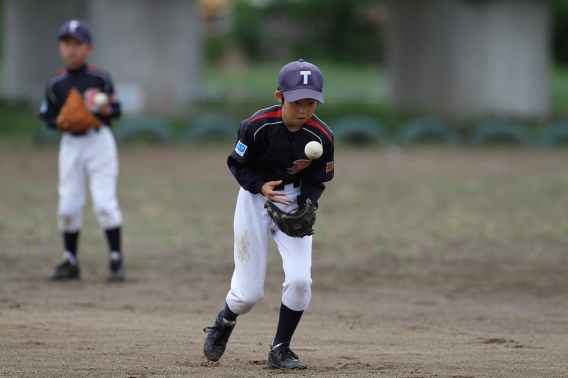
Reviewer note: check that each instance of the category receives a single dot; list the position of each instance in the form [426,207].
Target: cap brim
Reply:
[300,94]
[76,36]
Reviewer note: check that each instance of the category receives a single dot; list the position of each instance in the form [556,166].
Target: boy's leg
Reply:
[102,168]
[251,228]
[252,233]
[72,195]
[296,294]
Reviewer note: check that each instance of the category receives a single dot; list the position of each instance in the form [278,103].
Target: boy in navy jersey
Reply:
[269,162]
[85,156]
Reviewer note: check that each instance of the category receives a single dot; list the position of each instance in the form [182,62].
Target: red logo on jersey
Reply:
[89,97]
[329,167]
[299,165]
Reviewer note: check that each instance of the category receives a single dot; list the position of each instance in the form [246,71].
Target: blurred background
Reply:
[405,71]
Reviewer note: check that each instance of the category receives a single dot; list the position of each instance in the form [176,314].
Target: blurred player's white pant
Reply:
[253,228]
[92,156]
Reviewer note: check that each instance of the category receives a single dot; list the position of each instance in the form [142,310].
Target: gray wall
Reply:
[155,45]
[461,58]
[152,49]
[30,51]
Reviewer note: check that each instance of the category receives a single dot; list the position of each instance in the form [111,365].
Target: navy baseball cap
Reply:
[299,80]
[76,29]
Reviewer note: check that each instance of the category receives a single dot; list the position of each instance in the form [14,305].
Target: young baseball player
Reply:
[87,155]
[270,163]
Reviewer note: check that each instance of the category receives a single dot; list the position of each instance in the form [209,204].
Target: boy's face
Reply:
[295,114]
[74,52]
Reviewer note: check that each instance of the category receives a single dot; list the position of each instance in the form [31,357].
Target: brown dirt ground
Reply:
[447,262]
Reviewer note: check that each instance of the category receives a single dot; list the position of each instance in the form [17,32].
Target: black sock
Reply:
[70,242]
[228,315]
[287,323]
[113,239]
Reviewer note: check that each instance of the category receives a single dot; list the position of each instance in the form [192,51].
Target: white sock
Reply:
[70,257]
[115,256]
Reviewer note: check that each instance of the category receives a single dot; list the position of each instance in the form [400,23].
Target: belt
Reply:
[81,133]
[281,186]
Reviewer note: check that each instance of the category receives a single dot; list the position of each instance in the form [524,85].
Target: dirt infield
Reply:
[427,263]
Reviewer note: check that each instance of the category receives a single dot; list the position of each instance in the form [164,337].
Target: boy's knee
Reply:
[300,286]
[297,293]
[244,303]
[249,300]
[69,221]
[108,216]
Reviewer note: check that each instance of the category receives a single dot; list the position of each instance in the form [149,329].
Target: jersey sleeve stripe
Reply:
[322,123]
[275,114]
[313,123]
[262,110]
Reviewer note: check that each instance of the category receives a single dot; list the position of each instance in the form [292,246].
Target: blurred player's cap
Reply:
[76,29]
[299,80]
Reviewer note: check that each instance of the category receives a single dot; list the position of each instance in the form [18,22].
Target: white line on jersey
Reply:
[303,128]
[51,84]
[266,124]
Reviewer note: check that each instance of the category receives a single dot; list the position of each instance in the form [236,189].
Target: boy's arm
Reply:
[240,160]
[49,111]
[114,104]
[311,189]
[315,176]
[254,183]
[112,109]
[246,176]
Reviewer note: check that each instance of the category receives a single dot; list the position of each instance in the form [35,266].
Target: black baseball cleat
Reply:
[66,271]
[217,337]
[280,356]
[116,270]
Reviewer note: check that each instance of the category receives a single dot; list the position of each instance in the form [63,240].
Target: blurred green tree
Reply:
[342,31]
[246,27]
[560,30]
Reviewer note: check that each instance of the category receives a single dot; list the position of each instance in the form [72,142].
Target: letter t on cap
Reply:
[305,74]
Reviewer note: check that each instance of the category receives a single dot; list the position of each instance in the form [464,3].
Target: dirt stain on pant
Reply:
[66,221]
[104,216]
[243,247]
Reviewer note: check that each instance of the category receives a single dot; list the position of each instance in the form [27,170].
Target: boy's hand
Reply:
[105,110]
[270,194]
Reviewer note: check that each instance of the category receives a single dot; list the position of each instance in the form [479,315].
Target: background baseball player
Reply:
[269,162]
[87,155]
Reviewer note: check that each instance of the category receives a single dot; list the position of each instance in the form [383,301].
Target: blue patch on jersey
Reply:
[43,107]
[241,148]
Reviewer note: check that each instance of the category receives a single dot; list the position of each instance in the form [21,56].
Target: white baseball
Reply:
[313,150]
[100,99]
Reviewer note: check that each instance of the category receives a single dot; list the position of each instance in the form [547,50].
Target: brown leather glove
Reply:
[74,115]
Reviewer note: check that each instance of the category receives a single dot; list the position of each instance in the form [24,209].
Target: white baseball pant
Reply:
[253,227]
[94,157]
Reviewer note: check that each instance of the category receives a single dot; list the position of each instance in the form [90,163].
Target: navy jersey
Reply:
[89,80]
[267,151]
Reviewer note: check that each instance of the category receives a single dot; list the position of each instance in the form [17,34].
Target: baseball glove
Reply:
[74,115]
[297,224]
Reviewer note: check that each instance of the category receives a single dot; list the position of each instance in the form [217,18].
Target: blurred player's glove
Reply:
[297,224]
[74,115]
